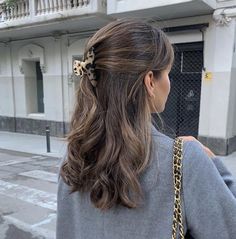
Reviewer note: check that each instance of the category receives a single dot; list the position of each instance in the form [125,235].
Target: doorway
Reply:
[40,93]
[181,114]
[34,87]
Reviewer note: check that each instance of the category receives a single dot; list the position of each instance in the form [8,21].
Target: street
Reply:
[27,196]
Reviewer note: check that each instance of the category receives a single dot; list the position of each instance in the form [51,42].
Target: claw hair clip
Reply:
[86,67]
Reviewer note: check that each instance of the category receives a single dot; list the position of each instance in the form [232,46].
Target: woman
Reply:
[116,178]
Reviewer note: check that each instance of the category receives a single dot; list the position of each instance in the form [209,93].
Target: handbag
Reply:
[177,178]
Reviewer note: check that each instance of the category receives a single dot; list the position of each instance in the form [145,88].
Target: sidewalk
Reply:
[33,144]
[36,144]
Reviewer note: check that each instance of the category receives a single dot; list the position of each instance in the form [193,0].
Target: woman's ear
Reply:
[149,83]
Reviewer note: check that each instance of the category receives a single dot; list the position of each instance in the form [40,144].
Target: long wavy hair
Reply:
[109,144]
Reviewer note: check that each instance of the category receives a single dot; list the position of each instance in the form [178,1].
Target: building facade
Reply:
[39,40]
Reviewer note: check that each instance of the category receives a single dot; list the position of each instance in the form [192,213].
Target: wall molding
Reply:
[32,52]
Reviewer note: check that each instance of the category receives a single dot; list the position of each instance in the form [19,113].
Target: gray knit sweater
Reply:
[209,201]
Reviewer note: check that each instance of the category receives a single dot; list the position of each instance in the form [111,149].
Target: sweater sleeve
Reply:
[209,192]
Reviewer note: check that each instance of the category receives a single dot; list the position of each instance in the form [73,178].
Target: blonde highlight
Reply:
[109,144]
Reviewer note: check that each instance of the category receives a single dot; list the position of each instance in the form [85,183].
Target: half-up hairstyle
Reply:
[109,143]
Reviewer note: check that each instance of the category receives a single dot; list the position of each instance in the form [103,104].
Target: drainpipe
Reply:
[13,86]
[62,82]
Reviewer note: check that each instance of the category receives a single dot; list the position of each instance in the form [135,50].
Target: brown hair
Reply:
[109,143]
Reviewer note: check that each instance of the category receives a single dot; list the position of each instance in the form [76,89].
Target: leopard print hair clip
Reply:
[87,67]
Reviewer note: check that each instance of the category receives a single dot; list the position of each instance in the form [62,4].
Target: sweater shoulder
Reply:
[161,139]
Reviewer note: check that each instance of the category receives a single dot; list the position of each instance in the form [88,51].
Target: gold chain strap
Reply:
[177,176]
